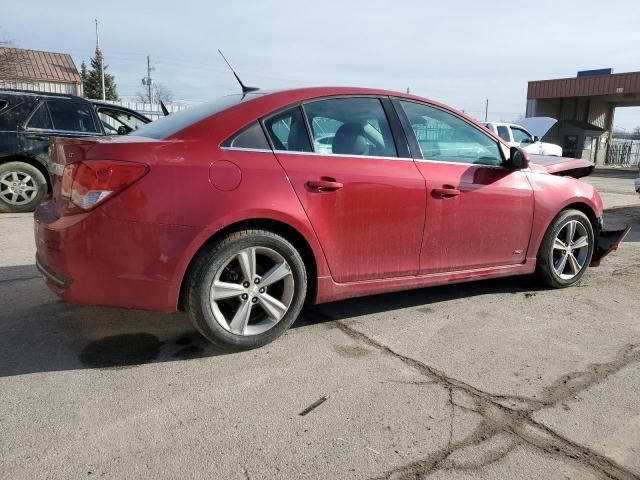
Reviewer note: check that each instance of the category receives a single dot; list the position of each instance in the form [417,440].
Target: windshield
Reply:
[173,123]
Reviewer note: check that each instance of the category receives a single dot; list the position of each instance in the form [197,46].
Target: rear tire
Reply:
[22,187]
[246,290]
[566,250]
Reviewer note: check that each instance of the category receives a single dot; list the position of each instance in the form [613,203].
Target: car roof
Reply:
[258,104]
[33,93]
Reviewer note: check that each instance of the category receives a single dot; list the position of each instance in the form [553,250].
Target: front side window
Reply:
[503,133]
[71,116]
[350,126]
[445,137]
[40,118]
[288,131]
[117,121]
[520,135]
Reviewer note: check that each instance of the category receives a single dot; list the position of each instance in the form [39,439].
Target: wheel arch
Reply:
[584,208]
[30,161]
[279,227]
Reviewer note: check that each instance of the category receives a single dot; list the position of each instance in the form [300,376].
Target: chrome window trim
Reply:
[243,149]
[342,155]
[55,132]
[372,157]
[498,167]
[290,152]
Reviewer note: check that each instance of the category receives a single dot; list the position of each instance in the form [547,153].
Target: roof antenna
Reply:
[245,89]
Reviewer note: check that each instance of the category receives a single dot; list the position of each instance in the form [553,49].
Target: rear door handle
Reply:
[325,184]
[446,192]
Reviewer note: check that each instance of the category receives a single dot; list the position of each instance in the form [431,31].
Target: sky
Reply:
[457,52]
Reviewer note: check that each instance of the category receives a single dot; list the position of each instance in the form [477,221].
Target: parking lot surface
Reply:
[491,379]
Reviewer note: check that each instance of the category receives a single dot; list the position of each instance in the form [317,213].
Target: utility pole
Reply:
[104,93]
[147,81]
[486,110]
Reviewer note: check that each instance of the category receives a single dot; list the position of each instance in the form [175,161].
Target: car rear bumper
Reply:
[93,259]
[607,242]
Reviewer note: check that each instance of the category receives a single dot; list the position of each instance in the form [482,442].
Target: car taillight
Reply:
[89,183]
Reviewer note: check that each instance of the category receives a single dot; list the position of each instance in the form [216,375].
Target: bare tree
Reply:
[160,93]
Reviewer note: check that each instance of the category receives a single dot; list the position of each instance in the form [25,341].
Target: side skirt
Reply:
[329,291]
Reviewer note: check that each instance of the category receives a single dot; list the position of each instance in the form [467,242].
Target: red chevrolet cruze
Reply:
[239,210]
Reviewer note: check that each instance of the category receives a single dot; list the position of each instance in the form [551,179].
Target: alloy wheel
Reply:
[570,250]
[252,291]
[17,188]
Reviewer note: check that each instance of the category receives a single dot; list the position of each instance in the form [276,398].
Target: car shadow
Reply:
[40,333]
[624,173]
[620,217]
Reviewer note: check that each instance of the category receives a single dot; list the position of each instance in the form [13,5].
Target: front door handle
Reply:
[325,184]
[446,191]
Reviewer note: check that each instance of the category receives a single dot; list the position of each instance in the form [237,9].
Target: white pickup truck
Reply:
[519,136]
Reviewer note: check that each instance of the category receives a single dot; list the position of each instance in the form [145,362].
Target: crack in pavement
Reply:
[19,279]
[498,418]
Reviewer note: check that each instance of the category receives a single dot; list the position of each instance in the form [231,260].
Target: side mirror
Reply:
[536,139]
[518,159]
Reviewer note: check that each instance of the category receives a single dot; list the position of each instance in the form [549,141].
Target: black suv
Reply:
[28,119]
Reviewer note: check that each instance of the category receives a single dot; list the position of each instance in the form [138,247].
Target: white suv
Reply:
[518,136]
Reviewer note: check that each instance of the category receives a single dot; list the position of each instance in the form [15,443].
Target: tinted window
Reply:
[447,138]
[40,118]
[503,133]
[71,116]
[350,126]
[3,104]
[520,135]
[251,137]
[288,131]
[172,124]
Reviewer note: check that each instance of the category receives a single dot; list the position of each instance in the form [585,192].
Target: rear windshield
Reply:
[171,124]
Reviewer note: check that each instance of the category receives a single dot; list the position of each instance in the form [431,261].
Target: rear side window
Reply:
[503,133]
[71,116]
[350,126]
[3,104]
[288,131]
[40,118]
[251,137]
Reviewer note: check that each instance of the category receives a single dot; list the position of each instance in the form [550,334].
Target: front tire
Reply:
[566,250]
[22,187]
[246,290]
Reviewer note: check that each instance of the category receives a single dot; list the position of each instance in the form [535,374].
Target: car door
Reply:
[479,213]
[364,197]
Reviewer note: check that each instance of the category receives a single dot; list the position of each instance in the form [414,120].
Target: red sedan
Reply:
[241,209]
